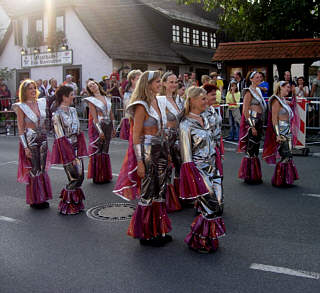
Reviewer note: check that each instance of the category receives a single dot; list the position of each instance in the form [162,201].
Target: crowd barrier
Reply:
[308,111]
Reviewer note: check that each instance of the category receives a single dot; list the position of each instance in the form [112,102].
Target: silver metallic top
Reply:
[66,122]
[196,142]
[30,116]
[286,109]
[257,98]
[104,108]
[215,121]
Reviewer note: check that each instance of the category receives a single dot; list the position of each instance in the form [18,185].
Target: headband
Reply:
[150,75]
[252,74]
[27,82]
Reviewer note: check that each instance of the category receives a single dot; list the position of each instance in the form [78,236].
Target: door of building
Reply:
[76,72]
[200,72]
[22,75]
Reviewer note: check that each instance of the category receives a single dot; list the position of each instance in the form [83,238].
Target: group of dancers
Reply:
[69,147]
[175,152]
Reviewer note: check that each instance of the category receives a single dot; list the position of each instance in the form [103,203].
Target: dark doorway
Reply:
[76,72]
[200,72]
[21,75]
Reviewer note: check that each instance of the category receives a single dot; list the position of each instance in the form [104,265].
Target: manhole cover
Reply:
[112,212]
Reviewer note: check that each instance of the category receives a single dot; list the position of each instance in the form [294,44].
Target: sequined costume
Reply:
[150,219]
[68,149]
[285,170]
[180,101]
[33,171]
[125,125]
[215,121]
[199,178]
[173,170]
[99,168]
[250,168]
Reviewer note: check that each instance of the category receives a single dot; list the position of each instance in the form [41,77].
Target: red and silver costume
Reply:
[285,172]
[125,125]
[215,120]
[250,168]
[150,219]
[69,148]
[33,171]
[173,172]
[99,168]
[201,179]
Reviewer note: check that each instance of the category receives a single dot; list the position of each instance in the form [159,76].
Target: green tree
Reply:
[245,20]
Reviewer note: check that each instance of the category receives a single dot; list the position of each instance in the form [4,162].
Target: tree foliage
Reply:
[6,73]
[249,20]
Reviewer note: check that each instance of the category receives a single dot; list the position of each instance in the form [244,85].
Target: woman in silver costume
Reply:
[279,136]
[251,127]
[199,177]
[168,92]
[215,120]
[69,148]
[146,177]
[180,98]
[133,77]
[101,129]
[33,148]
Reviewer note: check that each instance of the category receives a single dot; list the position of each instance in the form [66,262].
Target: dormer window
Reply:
[213,40]
[204,39]
[195,37]
[186,35]
[176,33]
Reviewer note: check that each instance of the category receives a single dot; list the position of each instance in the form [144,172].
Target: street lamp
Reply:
[23,51]
[36,51]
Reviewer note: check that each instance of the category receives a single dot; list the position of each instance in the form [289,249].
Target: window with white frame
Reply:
[39,27]
[186,35]
[176,33]
[213,40]
[204,39]
[60,23]
[195,37]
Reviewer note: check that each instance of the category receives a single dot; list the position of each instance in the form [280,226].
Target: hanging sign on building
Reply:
[47,59]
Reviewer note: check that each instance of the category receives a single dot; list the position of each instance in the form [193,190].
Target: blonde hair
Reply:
[142,91]
[278,87]
[192,92]
[164,79]
[23,90]
[205,78]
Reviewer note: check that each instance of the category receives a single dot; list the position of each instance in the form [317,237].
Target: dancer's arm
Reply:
[93,112]
[246,107]
[21,130]
[275,107]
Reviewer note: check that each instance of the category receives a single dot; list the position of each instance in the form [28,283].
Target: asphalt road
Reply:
[43,251]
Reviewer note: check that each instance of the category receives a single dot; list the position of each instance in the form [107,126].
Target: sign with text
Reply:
[47,59]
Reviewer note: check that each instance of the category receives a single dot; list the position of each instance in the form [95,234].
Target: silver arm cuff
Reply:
[251,122]
[276,129]
[98,127]
[137,151]
[23,141]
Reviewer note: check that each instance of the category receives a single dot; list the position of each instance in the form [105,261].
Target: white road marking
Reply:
[285,271]
[6,163]
[7,219]
[311,194]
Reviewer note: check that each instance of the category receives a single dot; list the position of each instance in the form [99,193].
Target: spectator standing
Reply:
[114,87]
[233,98]
[315,90]
[301,90]
[123,84]
[45,86]
[115,73]
[180,98]
[5,96]
[53,85]
[41,89]
[194,80]
[264,85]
[69,82]
[186,80]
[287,78]
[217,81]
[205,79]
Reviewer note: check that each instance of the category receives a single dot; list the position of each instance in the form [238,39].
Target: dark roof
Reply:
[192,14]
[123,31]
[190,54]
[266,50]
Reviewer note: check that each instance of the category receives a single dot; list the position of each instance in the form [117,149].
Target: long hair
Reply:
[102,92]
[142,91]
[249,76]
[192,92]
[163,90]
[23,89]
[278,87]
[131,76]
[62,90]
